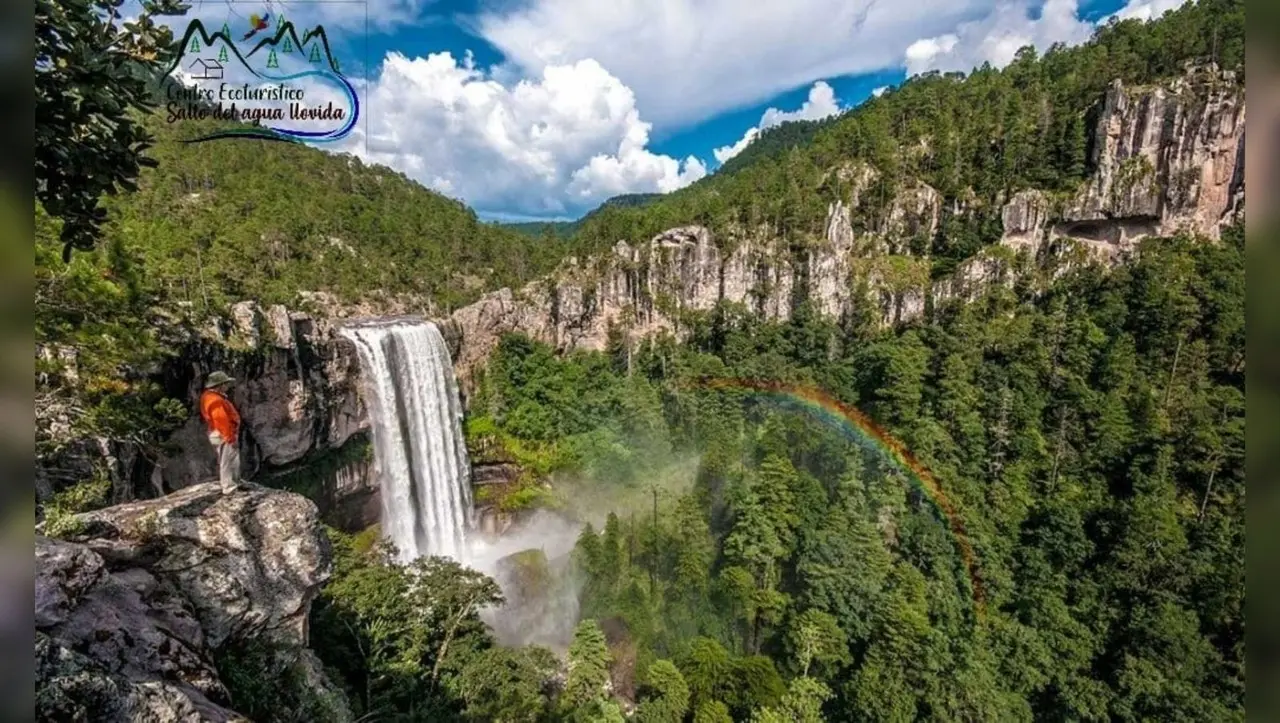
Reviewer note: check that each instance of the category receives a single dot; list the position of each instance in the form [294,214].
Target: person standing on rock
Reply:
[224,428]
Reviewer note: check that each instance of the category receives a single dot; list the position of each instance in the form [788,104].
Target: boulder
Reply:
[129,611]
[249,563]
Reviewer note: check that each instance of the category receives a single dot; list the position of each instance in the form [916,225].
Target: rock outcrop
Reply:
[297,390]
[130,610]
[1166,159]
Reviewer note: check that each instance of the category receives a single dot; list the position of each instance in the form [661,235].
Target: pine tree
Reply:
[287,47]
[272,62]
[222,55]
[664,697]
[315,54]
[1075,147]
[195,45]
[712,711]
[588,666]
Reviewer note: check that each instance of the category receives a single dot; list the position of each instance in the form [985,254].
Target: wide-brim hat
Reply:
[217,379]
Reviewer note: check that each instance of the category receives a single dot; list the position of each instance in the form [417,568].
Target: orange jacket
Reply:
[220,415]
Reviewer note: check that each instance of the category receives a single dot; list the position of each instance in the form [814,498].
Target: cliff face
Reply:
[130,611]
[296,390]
[1165,159]
[1168,159]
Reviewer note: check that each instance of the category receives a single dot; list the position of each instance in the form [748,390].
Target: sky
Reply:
[542,109]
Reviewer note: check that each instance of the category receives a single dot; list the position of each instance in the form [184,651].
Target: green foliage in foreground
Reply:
[1091,438]
[407,644]
[98,308]
[267,682]
[91,76]
[60,512]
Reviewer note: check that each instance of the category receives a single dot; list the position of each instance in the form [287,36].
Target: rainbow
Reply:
[864,430]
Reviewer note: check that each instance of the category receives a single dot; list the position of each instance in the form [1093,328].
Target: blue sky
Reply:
[544,108]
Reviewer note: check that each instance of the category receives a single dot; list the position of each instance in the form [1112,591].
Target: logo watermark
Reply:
[272,82]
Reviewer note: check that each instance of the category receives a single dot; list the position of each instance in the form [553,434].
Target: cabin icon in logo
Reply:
[206,69]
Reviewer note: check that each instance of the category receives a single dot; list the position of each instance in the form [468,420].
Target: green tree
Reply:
[802,704]
[712,711]
[507,684]
[395,632]
[816,637]
[588,667]
[93,74]
[664,697]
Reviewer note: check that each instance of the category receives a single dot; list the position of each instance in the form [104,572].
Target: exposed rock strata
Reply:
[297,390]
[1166,159]
[1169,155]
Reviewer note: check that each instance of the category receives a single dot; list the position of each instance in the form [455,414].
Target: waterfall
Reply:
[419,452]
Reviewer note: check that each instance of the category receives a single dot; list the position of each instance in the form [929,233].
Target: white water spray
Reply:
[419,451]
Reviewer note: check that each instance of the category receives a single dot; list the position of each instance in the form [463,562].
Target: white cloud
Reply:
[821,103]
[1009,26]
[555,144]
[690,59]
[877,92]
[1145,9]
[724,153]
[997,37]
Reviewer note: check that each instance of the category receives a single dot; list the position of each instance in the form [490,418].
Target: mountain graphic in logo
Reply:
[271,101]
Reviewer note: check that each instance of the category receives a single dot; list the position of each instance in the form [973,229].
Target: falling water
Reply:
[419,451]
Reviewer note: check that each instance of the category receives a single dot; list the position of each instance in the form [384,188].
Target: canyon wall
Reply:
[1165,159]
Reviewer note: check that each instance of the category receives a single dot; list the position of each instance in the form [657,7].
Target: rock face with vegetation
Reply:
[135,609]
[1165,158]
[1169,158]
[297,390]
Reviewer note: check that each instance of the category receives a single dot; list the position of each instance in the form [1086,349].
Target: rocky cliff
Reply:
[1164,159]
[133,608]
[297,390]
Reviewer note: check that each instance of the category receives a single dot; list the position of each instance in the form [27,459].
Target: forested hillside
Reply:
[974,138]
[220,222]
[1084,440]
[1087,446]
[1091,442]
[566,229]
[1036,513]
[773,143]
